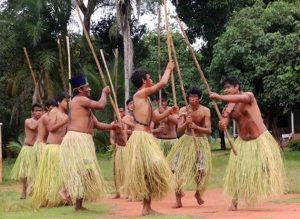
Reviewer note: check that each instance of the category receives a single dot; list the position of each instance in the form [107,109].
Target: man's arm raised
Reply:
[88,103]
[161,84]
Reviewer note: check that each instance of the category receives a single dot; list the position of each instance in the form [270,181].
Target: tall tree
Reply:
[261,47]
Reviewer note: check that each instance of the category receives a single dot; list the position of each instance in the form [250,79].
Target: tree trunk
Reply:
[128,58]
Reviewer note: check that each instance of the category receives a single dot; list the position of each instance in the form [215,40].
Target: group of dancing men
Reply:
[58,164]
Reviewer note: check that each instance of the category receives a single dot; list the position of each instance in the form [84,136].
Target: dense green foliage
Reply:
[261,47]
[294,145]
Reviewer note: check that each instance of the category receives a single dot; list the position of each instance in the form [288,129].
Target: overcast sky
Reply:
[149,19]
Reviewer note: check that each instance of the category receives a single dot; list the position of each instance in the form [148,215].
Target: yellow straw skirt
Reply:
[166,145]
[257,171]
[24,164]
[80,171]
[48,182]
[147,172]
[191,162]
[38,149]
[119,166]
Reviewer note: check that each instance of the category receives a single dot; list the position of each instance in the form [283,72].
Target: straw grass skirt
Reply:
[257,171]
[147,172]
[119,166]
[166,145]
[48,182]
[191,163]
[24,164]
[80,171]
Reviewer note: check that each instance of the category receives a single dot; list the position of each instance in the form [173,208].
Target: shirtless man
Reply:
[166,130]
[80,169]
[148,175]
[43,122]
[23,165]
[192,148]
[257,171]
[48,183]
[116,140]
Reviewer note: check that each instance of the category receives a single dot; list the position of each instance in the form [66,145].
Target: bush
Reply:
[294,145]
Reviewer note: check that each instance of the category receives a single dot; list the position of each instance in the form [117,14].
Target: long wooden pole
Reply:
[99,67]
[61,64]
[183,91]
[109,78]
[1,168]
[158,51]
[32,74]
[170,52]
[69,64]
[202,76]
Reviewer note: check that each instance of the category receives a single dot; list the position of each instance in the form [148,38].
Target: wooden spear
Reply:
[202,76]
[32,74]
[169,52]
[99,68]
[109,78]
[69,64]
[158,51]
[61,64]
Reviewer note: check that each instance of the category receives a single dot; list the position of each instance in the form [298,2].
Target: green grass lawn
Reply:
[12,207]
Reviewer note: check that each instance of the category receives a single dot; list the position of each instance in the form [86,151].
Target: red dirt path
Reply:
[216,207]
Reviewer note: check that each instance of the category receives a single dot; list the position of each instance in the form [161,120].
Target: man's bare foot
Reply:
[233,206]
[200,201]
[81,208]
[117,196]
[78,205]
[177,205]
[148,211]
[23,195]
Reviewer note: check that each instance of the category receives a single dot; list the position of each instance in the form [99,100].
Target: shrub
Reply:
[294,145]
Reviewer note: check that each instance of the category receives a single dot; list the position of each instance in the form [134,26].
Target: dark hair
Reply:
[138,76]
[129,100]
[36,105]
[231,80]
[50,102]
[164,95]
[195,90]
[61,96]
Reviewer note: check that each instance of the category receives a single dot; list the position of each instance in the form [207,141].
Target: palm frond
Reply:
[47,59]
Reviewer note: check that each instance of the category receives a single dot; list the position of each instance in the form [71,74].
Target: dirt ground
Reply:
[216,207]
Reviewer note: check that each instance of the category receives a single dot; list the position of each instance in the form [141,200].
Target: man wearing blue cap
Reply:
[80,170]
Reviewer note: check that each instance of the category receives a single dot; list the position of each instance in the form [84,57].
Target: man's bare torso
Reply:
[169,128]
[42,128]
[249,121]
[30,135]
[56,116]
[81,118]
[198,117]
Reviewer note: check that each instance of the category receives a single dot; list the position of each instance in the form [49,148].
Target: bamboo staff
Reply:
[32,74]
[109,78]
[202,76]
[69,64]
[183,91]
[99,68]
[61,64]
[116,66]
[170,52]
[158,51]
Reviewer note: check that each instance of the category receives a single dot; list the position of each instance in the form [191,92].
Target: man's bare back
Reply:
[81,118]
